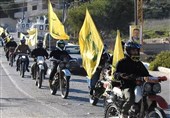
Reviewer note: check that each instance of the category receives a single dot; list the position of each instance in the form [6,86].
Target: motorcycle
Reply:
[146,100]
[39,73]
[11,55]
[22,63]
[97,91]
[62,76]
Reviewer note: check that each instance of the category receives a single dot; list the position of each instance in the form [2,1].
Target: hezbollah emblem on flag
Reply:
[91,45]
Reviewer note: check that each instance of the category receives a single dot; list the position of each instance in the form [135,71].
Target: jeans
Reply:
[53,71]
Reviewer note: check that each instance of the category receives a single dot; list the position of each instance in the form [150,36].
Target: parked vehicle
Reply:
[62,77]
[74,52]
[11,55]
[147,103]
[22,63]
[40,71]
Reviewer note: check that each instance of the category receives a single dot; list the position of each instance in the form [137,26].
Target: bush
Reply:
[162,59]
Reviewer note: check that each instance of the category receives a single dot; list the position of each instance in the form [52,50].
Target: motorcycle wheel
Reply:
[156,113]
[104,102]
[22,70]
[11,60]
[41,78]
[111,111]
[64,87]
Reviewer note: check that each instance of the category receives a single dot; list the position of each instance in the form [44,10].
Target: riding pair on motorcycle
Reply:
[39,68]
[134,94]
[95,84]
[10,48]
[23,61]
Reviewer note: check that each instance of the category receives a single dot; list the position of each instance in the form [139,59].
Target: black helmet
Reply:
[40,43]
[60,44]
[23,40]
[131,45]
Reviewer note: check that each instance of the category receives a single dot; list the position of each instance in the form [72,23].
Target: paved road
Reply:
[20,98]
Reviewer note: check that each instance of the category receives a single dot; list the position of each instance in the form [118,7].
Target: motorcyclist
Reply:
[104,61]
[23,48]
[58,53]
[39,51]
[127,70]
[10,44]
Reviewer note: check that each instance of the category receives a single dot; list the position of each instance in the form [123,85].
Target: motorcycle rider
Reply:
[104,61]
[58,53]
[39,51]
[23,48]
[10,44]
[127,70]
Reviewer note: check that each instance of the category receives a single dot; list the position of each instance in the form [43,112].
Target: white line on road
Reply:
[28,95]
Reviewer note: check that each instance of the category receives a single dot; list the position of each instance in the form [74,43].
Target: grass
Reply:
[156,28]
[160,25]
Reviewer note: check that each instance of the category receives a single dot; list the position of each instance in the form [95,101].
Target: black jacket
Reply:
[11,44]
[58,54]
[130,68]
[104,59]
[39,52]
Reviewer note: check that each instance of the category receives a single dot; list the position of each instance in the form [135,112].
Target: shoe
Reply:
[28,70]
[33,76]
[51,91]
[17,69]
[123,116]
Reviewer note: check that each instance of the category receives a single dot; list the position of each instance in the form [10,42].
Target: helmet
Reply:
[11,38]
[60,44]
[23,40]
[40,44]
[132,49]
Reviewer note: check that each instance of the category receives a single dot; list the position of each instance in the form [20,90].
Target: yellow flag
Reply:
[118,51]
[56,28]
[22,35]
[1,30]
[32,40]
[91,45]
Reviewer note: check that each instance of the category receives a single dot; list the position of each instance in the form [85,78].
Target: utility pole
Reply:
[135,12]
[23,10]
[138,16]
[64,11]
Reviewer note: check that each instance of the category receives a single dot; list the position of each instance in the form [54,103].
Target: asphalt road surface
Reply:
[20,98]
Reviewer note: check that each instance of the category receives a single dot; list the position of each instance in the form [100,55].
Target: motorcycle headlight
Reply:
[67,65]
[23,56]
[157,88]
[147,87]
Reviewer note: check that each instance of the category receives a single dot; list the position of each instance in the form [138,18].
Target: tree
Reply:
[157,9]
[108,15]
